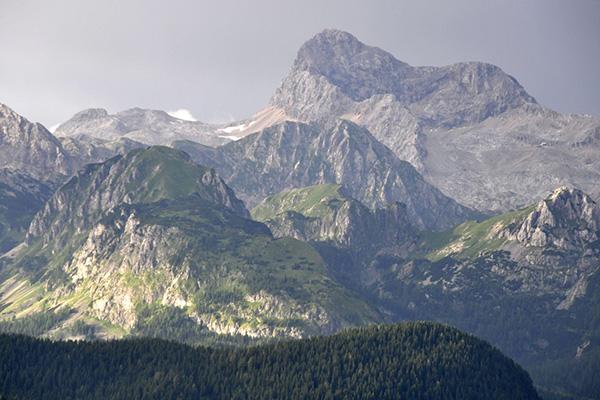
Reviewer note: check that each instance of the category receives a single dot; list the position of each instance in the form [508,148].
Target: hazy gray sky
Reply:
[223,59]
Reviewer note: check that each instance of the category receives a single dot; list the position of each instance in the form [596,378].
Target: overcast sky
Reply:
[223,59]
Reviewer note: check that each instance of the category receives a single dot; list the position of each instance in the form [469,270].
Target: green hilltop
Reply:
[153,233]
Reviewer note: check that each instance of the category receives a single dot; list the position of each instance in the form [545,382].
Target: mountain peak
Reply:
[7,112]
[566,193]
[348,63]
[30,147]
[338,46]
[91,113]
[334,73]
[152,127]
[330,38]
[142,176]
[567,219]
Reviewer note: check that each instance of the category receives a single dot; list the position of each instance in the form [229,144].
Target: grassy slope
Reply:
[233,246]
[311,201]
[470,238]
[230,256]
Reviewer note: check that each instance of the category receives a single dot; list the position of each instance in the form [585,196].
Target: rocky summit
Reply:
[469,128]
[324,213]
[29,147]
[349,72]
[568,220]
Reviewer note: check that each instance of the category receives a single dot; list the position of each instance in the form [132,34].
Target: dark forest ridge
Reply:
[411,360]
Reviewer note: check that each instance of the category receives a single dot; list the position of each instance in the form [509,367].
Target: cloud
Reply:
[182,113]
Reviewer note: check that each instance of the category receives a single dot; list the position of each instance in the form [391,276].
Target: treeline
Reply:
[406,361]
[33,325]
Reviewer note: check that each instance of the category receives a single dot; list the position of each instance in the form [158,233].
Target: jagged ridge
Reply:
[294,155]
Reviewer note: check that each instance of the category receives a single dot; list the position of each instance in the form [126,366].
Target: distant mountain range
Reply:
[469,128]
[152,127]
[367,191]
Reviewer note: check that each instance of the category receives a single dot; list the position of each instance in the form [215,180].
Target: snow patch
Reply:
[183,114]
[237,128]
[230,137]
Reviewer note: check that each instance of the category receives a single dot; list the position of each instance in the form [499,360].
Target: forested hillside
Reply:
[406,361]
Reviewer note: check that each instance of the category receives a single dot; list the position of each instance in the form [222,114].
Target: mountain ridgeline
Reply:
[526,280]
[349,72]
[142,176]
[293,155]
[413,360]
[324,213]
[153,234]
[471,129]
[379,192]
[153,127]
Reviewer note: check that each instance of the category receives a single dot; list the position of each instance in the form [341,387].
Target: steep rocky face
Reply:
[21,196]
[143,175]
[515,158]
[469,128]
[335,75]
[88,149]
[32,149]
[465,92]
[293,155]
[568,220]
[176,250]
[323,213]
[29,147]
[554,243]
[151,127]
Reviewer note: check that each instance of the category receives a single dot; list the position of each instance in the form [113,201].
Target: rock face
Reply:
[335,75]
[88,149]
[350,72]
[144,175]
[174,263]
[515,158]
[554,243]
[151,127]
[32,150]
[293,155]
[29,147]
[567,220]
[323,213]
[469,128]
[524,280]
[153,230]
[21,197]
